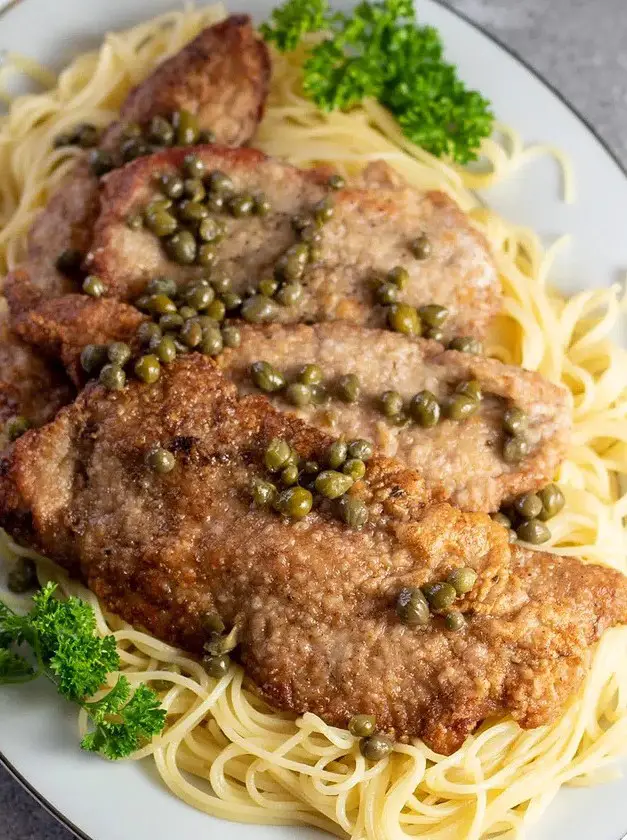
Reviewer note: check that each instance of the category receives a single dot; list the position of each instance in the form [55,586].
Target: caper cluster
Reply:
[425,410]
[526,516]
[218,646]
[297,483]
[309,387]
[83,134]
[516,446]
[415,605]
[181,129]
[372,745]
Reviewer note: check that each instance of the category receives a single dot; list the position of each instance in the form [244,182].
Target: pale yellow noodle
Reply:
[223,750]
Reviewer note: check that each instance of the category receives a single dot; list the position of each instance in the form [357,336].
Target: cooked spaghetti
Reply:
[223,750]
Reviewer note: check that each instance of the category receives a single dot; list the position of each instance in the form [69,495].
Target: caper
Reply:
[267,377]
[215,203]
[440,595]
[466,344]
[552,500]
[295,502]
[112,377]
[100,162]
[207,254]
[69,261]
[375,748]
[261,205]
[353,512]
[259,309]
[433,315]
[216,310]
[194,190]
[157,205]
[391,403]
[412,607]
[210,230]
[462,579]
[186,127]
[403,318]
[399,276]
[459,407]
[199,296]
[160,460]
[231,336]
[241,206]
[22,577]
[336,454]
[292,263]
[16,426]
[454,620]
[220,183]
[435,334]
[323,211]
[147,368]
[171,321]
[162,286]
[231,300]
[171,185]
[355,468]
[289,294]
[206,137]
[515,449]
[424,409]
[319,394]
[216,666]
[528,506]
[118,353]
[193,166]
[181,247]
[161,223]
[268,286]
[277,454]
[134,221]
[212,342]
[191,333]
[332,484]
[471,388]
[161,305]
[186,312]
[361,449]
[533,531]
[94,286]
[348,388]
[336,182]
[387,293]
[421,247]
[165,350]
[362,726]
[192,211]
[501,519]
[160,131]
[263,492]
[133,148]
[142,302]
[93,357]
[298,394]
[515,421]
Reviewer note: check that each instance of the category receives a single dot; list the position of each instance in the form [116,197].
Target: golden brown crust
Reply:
[314,601]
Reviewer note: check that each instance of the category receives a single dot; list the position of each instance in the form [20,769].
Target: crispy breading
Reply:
[314,601]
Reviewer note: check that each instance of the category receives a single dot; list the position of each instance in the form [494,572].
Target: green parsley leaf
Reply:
[14,668]
[293,20]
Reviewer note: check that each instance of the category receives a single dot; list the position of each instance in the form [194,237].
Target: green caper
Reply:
[22,577]
[454,620]
[425,409]
[199,296]
[93,357]
[533,531]
[353,512]
[142,302]
[261,205]
[348,388]
[216,310]
[471,388]
[212,342]
[160,460]
[501,519]
[191,333]
[171,321]
[462,579]
[231,336]
[375,748]
[133,148]
[231,300]
[289,475]
[216,666]
[298,394]
[171,185]
[435,334]
[387,293]
[267,377]
[337,182]
[112,377]
[192,211]
[277,454]
[361,449]
[181,247]
[362,726]
[194,190]
[459,407]
[515,421]
[466,344]
[165,350]
[134,221]
[94,286]
[528,506]
[207,254]
[421,247]
[323,211]
[355,468]
[215,203]
[391,403]
[403,318]
[263,492]
[186,312]
[210,230]
[220,184]
[161,223]
[336,454]
[16,426]
[268,286]
[100,162]
[212,623]
[440,595]
[333,484]
[319,394]
[206,137]
[241,206]
[433,315]
[289,294]
[552,500]
[162,305]
[259,309]
[193,166]
[291,264]
[87,135]
[160,131]
[69,261]
[186,127]
[162,286]
[147,368]
[412,607]
[295,502]
[221,283]
[157,205]
[515,449]
[119,353]
[399,276]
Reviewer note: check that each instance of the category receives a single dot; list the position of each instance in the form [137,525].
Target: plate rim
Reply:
[61,818]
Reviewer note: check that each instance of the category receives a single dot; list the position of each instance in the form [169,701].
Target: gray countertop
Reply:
[577,45]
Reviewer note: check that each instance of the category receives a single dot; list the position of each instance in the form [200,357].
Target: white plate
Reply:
[38,736]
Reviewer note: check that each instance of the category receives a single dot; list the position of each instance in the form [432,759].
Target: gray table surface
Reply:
[577,45]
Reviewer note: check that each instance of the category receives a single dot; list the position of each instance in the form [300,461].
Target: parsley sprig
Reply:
[380,52]
[65,646]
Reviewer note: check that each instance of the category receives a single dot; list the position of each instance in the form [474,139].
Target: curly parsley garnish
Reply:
[65,647]
[380,52]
